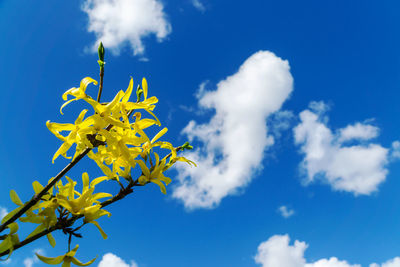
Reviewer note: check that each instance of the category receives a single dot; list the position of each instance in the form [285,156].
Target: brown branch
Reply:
[69,222]
[101,84]
[38,196]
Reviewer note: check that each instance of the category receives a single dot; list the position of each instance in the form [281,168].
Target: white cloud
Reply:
[277,251]
[3,212]
[395,151]
[111,260]
[285,211]
[199,5]
[357,168]
[126,22]
[280,121]
[395,262]
[358,131]
[236,137]
[30,261]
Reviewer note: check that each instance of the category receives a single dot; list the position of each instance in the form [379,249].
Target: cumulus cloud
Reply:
[357,168]
[126,22]
[111,260]
[277,251]
[233,142]
[390,263]
[285,211]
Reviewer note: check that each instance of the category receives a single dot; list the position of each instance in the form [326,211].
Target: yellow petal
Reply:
[62,151]
[144,168]
[159,134]
[6,244]
[103,234]
[85,82]
[37,187]
[150,101]
[128,92]
[10,214]
[66,103]
[77,262]
[152,114]
[13,228]
[37,230]
[51,239]
[98,180]
[14,198]
[71,188]
[145,88]
[85,181]
[72,252]
[80,117]
[145,123]
[52,261]
[101,195]
[160,184]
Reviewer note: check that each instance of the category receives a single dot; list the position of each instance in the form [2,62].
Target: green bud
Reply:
[101,51]
[139,92]
[187,146]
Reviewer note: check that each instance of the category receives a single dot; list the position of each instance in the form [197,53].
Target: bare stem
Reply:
[101,84]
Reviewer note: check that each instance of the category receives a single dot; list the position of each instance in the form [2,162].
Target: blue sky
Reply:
[294,112]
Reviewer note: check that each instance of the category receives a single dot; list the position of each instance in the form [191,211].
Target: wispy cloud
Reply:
[395,151]
[358,168]
[199,5]
[118,23]
[112,260]
[285,211]
[280,121]
[232,144]
[277,251]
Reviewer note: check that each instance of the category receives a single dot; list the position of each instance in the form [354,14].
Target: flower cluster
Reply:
[114,137]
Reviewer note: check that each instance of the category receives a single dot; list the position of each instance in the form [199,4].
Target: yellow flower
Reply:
[66,259]
[149,144]
[78,93]
[11,239]
[154,174]
[46,216]
[78,134]
[87,203]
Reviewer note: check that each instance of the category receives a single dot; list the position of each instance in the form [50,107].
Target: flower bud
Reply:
[101,51]
[187,146]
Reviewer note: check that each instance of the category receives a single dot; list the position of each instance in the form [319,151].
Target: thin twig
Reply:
[58,226]
[101,84]
[38,196]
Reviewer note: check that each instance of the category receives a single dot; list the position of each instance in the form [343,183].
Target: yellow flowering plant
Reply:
[114,137]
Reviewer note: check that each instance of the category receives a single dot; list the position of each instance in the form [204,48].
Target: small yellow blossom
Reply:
[154,174]
[78,93]
[66,259]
